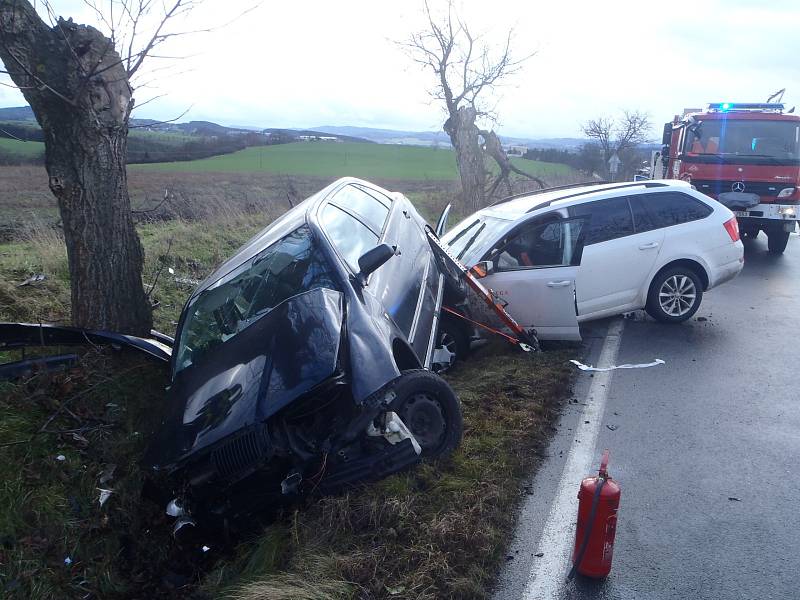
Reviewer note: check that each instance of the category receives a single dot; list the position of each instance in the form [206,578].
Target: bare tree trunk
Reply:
[79,91]
[469,157]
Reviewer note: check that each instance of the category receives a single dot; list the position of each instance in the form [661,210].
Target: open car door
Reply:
[441,224]
[459,279]
[534,272]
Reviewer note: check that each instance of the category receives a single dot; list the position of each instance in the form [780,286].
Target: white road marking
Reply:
[549,572]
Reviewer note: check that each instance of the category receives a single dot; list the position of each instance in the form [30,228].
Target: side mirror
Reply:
[372,260]
[482,269]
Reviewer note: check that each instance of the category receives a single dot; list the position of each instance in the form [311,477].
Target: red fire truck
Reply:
[747,156]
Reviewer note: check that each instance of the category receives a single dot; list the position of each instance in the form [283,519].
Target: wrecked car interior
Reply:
[305,363]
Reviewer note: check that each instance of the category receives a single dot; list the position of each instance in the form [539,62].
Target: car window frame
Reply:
[680,193]
[625,197]
[543,219]
[332,200]
[323,227]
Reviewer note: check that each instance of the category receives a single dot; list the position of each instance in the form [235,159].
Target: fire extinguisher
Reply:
[598,502]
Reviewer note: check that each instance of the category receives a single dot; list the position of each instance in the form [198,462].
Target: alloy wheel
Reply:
[677,295]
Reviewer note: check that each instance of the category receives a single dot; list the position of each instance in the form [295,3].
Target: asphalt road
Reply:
[706,449]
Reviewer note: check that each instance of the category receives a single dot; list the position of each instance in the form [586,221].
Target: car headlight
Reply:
[787,211]
[786,192]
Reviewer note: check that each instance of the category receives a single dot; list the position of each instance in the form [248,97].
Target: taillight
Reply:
[732,227]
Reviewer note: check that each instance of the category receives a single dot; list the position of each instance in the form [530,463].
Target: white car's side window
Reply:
[552,244]
[609,219]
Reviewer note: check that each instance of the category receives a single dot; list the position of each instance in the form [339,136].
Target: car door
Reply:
[441,224]
[407,285]
[535,271]
[617,259]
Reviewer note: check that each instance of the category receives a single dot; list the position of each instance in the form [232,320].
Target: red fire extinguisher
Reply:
[598,502]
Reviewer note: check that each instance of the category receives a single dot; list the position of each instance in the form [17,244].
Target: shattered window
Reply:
[287,268]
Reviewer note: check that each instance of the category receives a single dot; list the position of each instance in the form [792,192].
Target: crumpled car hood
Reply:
[261,370]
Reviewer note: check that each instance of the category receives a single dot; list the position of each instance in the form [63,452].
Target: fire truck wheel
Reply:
[777,240]
[675,295]
[750,234]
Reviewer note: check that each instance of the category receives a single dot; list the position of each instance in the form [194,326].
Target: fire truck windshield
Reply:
[743,141]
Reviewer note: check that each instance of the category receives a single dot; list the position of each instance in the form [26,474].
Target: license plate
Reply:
[741,213]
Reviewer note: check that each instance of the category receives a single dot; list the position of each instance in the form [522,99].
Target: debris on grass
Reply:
[584,367]
[36,278]
[104,495]
[107,474]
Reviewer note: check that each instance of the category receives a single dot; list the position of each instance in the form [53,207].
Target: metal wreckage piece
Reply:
[318,392]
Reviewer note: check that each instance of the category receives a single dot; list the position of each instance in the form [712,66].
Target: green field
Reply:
[22,149]
[328,159]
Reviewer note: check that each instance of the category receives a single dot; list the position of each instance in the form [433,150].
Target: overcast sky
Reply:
[303,63]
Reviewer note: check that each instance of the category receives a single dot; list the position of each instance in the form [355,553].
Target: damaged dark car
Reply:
[302,364]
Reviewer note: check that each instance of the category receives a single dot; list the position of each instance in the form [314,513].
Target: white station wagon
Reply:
[567,255]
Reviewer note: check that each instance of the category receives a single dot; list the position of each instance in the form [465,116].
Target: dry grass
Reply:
[191,248]
[437,531]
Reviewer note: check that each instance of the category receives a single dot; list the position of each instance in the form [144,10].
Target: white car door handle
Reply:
[555,284]
[648,246]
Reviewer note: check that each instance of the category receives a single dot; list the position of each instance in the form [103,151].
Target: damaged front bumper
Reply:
[20,336]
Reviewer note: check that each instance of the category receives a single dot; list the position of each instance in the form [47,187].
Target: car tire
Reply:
[669,292]
[430,409]
[777,240]
[453,336]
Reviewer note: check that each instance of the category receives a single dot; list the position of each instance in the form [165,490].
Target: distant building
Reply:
[317,138]
[516,150]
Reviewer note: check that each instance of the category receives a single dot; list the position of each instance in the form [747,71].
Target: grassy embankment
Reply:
[435,531]
[329,159]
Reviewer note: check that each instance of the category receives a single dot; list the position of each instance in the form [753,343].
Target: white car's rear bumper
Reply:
[725,263]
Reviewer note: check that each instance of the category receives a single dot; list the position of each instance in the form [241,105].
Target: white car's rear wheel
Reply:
[675,295]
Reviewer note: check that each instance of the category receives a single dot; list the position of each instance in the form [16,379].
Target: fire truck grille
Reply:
[766,189]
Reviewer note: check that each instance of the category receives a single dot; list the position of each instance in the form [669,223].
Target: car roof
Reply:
[286,223]
[514,207]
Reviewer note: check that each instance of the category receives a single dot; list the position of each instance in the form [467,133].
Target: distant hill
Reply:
[432,138]
[24,115]
[389,136]
[17,113]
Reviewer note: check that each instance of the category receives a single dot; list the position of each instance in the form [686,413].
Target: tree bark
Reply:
[469,157]
[79,92]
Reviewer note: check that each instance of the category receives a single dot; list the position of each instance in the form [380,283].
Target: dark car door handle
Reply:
[649,246]
[558,284]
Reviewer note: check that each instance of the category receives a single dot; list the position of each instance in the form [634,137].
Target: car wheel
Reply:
[453,337]
[674,295]
[777,240]
[430,409]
